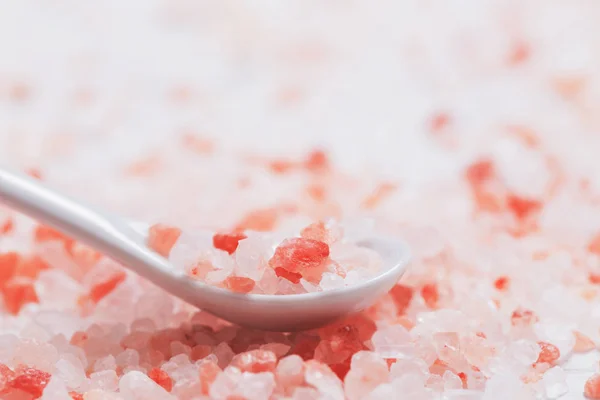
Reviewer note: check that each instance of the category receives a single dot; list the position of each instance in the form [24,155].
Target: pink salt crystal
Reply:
[409,366]
[180,348]
[127,357]
[42,356]
[413,386]
[208,372]
[298,255]
[97,394]
[290,373]
[55,390]
[324,380]
[136,385]
[104,380]
[452,381]
[591,389]
[367,371]
[162,238]
[305,393]
[107,363]
[280,349]
[239,284]
[391,342]
[224,354]
[269,282]
[255,361]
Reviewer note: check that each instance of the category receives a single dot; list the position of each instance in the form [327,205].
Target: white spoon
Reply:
[125,242]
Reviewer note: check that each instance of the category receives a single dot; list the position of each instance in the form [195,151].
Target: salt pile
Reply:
[318,258]
[468,129]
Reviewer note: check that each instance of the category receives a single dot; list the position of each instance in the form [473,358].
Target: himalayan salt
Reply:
[56,390]
[391,342]
[548,353]
[161,378]
[135,385]
[330,281]
[239,284]
[71,371]
[231,383]
[367,371]
[591,389]
[290,372]
[162,238]
[228,242]
[104,380]
[255,361]
[452,381]
[29,380]
[42,356]
[324,380]
[305,393]
[300,255]
[16,294]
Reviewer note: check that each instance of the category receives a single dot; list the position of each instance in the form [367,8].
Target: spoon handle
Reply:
[111,236]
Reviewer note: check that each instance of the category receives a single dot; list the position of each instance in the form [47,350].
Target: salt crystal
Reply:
[56,289]
[462,395]
[65,323]
[289,372]
[330,281]
[269,282]
[309,287]
[452,381]
[280,349]
[415,367]
[137,386]
[55,390]
[305,393]
[367,371]
[71,371]
[555,382]
[104,380]
[252,255]
[7,347]
[97,394]
[384,391]
[224,354]
[505,386]
[324,380]
[42,356]
[392,341]
[105,363]
[411,386]
[128,357]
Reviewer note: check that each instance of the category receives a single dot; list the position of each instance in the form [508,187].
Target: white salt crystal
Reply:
[56,289]
[56,322]
[385,391]
[156,305]
[309,287]
[104,380]
[252,255]
[525,352]
[412,366]
[55,390]
[70,370]
[34,331]
[411,386]
[256,386]
[305,393]
[504,386]
[105,363]
[135,385]
[327,383]
[555,382]
[462,395]
[97,394]
[391,342]
[330,281]
[367,371]
[289,371]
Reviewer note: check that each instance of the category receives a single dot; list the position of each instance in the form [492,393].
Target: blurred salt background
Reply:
[469,128]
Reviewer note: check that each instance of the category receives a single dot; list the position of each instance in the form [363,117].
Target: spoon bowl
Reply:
[125,242]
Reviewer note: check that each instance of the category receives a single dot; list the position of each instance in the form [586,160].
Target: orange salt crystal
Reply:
[78,338]
[290,276]
[583,343]
[381,192]
[31,267]
[549,353]
[569,86]
[439,122]
[208,373]
[316,161]
[299,255]
[255,361]
[316,231]
[501,283]
[83,255]
[45,233]
[429,293]
[594,245]
[162,238]
[6,376]
[463,378]
[239,284]
[7,227]
[8,266]
[487,201]
[76,396]
[591,390]
[594,278]
[523,317]
[402,296]
[258,220]
[480,172]
[18,293]
[100,290]
[34,173]
[30,380]
[522,207]
[19,91]
[228,242]
[161,378]
[281,166]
